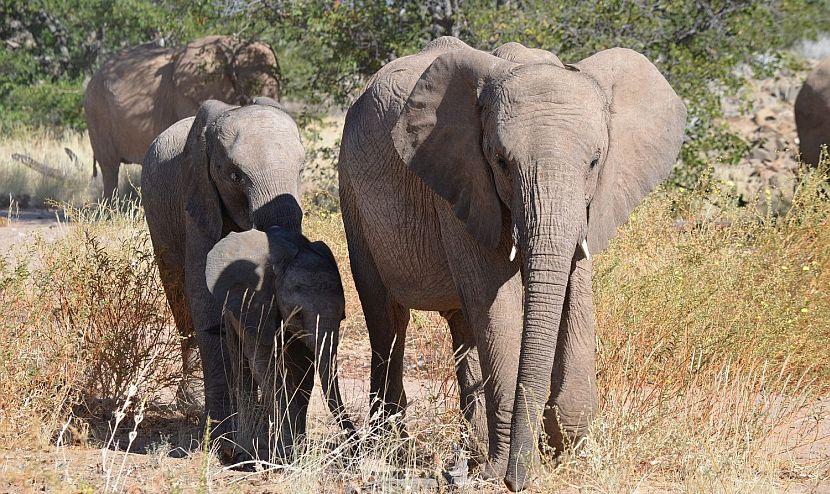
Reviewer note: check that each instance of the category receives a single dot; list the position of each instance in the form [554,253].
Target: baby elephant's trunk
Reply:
[326,334]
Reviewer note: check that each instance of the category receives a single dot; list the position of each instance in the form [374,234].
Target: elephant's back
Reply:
[812,112]
[128,88]
[200,73]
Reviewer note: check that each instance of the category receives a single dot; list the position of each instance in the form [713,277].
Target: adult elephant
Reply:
[468,183]
[812,113]
[228,169]
[140,92]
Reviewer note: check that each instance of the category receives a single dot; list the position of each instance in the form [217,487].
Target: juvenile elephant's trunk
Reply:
[554,222]
[326,334]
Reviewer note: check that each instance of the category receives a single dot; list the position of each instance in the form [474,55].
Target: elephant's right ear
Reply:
[237,273]
[202,202]
[438,136]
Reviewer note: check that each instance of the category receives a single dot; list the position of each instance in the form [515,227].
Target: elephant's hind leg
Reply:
[470,384]
[573,398]
[109,174]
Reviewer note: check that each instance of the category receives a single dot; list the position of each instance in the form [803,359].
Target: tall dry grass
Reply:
[712,323]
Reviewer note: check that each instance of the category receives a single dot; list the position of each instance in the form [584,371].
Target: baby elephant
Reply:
[283,302]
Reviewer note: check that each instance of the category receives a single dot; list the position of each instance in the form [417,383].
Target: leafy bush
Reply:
[328,49]
[50,105]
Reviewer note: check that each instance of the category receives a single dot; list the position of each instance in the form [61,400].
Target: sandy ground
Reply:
[25,224]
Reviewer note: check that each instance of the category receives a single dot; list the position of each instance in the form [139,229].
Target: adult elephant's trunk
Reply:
[269,208]
[554,223]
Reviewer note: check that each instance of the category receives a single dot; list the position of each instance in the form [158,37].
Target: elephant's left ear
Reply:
[646,130]
[438,136]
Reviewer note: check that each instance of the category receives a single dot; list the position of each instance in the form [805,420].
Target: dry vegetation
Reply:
[713,324]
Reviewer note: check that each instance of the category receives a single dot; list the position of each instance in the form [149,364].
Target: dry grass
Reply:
[86,323]
[31,188]
[712,330]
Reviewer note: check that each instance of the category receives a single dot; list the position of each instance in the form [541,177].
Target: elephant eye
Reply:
[502,164]
[236,177]
[594,161]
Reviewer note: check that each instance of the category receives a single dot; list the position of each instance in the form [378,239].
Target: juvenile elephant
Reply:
[472,184]
[812,113]
[283,303]
[228,169]
[140,92]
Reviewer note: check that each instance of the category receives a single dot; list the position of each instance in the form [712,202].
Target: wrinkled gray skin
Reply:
[812,113]
[141,91]
[280,292]
[227,169]
[451,157]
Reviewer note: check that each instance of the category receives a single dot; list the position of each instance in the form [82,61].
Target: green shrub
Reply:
[58,104]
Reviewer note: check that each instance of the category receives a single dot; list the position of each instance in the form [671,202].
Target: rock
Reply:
[762,154]
[766,117]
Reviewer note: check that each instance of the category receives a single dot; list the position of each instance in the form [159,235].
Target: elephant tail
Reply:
[94,167]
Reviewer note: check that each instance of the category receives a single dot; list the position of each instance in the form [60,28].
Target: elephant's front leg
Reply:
[573,397]
[490,288]
[470,384]
[207,318]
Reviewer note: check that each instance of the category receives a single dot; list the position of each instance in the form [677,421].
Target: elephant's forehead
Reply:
[540,84]
[260,138]
[310,274]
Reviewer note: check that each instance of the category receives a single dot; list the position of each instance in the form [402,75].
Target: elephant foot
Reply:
[486,479]
[492,472]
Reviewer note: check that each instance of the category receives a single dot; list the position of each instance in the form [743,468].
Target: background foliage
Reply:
[327,49]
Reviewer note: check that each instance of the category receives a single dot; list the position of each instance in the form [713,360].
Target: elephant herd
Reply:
[476,184]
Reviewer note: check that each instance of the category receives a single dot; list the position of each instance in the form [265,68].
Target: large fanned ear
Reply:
[439,137]
[238,274]
[646,130]
[202,202]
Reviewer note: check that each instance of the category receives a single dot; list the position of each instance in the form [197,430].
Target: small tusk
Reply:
[513,253]
[584,246]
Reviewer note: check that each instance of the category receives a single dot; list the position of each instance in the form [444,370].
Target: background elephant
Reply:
[812,113]
[283,301]
[140,92]
[228,169]
[468,184]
